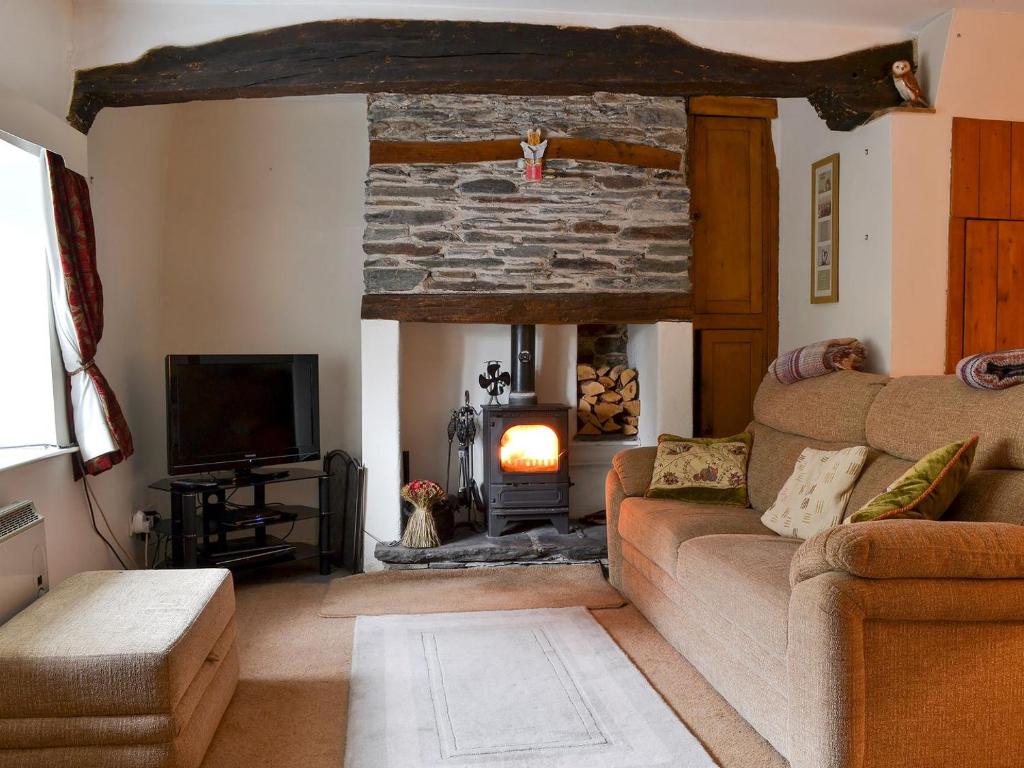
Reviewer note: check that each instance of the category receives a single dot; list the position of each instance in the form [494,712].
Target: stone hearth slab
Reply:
[542,544]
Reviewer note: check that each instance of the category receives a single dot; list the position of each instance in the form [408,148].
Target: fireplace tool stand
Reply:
[462,427]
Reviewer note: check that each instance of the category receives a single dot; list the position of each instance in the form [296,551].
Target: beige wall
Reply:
[865,232]
[35,38]
[981,78]
[261,248]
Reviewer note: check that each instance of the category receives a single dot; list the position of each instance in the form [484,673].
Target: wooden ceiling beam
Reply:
[542,308]
[380,55]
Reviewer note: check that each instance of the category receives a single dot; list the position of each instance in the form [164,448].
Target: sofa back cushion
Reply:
[991,496]
[914,415]
[774,454]
[831,408]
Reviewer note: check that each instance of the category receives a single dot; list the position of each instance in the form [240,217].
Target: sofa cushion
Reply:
[774,453]
[990,496]
[745,579]
[656,527]
[634,468]
[832,408]
[113,642]
[914,415]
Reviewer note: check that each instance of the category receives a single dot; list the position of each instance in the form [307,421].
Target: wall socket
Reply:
[144,521]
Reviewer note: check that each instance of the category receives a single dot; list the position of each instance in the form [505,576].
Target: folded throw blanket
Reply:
[818,359]
[992,370]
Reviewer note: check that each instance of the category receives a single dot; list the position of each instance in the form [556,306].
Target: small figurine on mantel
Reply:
[907,85]
[533,155]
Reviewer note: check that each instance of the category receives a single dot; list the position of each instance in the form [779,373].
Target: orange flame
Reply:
[529,448]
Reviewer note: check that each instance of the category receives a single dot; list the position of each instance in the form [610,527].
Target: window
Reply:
[33,418]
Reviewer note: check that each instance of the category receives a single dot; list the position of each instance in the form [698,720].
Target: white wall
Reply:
[252,244]
[865,232]
[381,434]
[35,79]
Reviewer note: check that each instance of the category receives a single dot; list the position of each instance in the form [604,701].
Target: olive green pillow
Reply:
[926,490]
[702,469]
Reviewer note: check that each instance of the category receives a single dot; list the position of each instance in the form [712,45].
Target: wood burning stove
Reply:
[526,444]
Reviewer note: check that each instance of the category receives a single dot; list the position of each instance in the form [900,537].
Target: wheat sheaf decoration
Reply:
[421,531]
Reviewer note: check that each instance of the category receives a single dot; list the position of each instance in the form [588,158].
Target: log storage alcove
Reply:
[380,55]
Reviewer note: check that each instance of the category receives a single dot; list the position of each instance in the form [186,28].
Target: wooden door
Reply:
[731,367]
[727,208]
[734,185]
[993,286]
[985,310]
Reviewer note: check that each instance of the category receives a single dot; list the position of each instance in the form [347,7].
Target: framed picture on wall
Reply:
[825,230]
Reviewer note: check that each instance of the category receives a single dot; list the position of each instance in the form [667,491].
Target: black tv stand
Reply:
[244,477]
[201,520]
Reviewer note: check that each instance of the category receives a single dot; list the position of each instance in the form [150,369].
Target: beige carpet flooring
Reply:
[474,589]
[290,707]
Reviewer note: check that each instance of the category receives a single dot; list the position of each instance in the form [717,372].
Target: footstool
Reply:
[119,668]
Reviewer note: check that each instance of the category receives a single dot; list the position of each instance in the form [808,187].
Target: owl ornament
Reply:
[907,85]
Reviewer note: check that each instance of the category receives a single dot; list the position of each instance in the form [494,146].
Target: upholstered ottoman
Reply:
[115,669]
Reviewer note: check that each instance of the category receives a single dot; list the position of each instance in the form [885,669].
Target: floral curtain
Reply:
[100,429]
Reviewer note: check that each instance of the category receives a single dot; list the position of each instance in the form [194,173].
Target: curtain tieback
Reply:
[83,367]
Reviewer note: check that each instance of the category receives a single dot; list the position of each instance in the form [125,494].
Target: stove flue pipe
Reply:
[524,365]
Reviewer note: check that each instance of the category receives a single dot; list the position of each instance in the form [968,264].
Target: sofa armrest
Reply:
[635,467]
[913,549]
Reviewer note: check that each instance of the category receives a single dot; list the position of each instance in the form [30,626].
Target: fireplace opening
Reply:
[529,448]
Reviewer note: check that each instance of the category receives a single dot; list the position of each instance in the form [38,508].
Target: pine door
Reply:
[993,286]
[985,311]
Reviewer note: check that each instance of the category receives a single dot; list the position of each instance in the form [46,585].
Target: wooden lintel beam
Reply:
[380,55]
[600,150]
[734,106]
[542,308]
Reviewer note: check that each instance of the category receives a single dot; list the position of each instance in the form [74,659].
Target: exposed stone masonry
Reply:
[467,227]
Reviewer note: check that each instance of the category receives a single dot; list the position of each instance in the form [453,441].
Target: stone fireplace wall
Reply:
[471,227]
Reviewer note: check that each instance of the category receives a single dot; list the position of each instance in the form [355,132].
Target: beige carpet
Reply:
[291,705]
[470,589]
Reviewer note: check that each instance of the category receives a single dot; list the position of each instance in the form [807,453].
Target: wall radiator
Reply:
[23,573]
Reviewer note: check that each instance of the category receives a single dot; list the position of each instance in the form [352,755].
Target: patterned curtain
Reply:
[99,426]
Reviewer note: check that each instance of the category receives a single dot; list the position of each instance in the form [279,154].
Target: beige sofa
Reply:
[894,643]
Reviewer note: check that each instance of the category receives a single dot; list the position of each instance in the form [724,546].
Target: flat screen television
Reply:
[239,412]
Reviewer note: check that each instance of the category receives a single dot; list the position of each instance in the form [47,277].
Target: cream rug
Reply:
[470,589]
[508,689]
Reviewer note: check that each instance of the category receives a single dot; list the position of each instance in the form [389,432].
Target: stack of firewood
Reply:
[608,400]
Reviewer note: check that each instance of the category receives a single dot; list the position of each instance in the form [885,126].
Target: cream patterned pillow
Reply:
[815,495]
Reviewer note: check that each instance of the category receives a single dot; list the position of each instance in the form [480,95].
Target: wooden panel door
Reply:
[731,368]
[728,173]
[993,287]
[985,302]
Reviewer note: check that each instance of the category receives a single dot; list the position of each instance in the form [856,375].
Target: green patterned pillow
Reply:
[926,490]
[702,469]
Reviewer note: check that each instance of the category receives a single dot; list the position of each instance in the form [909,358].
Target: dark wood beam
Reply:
[600,150]
[379,55]
[544,308]
[733,106]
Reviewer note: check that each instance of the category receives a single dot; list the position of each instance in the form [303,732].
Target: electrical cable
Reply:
[90,497]
[92,517]
[110,528]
